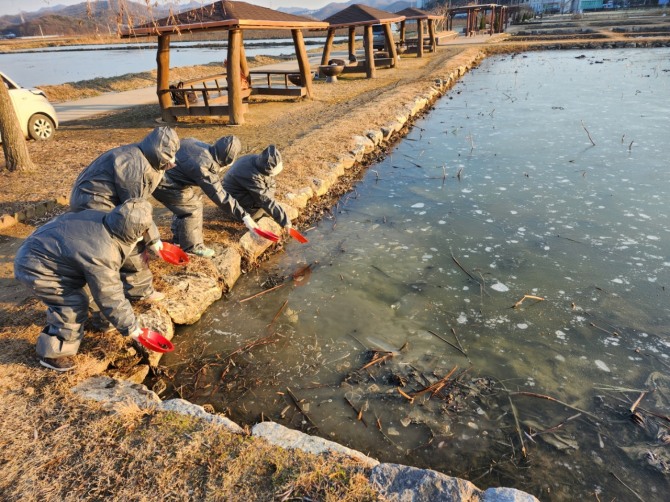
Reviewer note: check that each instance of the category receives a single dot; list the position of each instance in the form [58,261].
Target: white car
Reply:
[37,116]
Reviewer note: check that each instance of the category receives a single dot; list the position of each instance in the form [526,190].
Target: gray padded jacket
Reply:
[126,172]
[87,247]
[203,165]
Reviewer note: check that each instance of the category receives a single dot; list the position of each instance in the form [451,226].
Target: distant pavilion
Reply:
[362,15]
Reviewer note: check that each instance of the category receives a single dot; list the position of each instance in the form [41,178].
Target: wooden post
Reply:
[431,34]
[388,35]
[370,70]
[328,47]
[419,38]
[236,112]
[244,65]
[402,32]
[163,77]
[303,61]
[491,20]
[352,40]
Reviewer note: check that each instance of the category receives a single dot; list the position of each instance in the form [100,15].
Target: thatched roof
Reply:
[225,15]
[413,14]
[361,15]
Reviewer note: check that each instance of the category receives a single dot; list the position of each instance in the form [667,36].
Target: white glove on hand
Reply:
[288,225]
[135,334]
[250,223]
[157,246]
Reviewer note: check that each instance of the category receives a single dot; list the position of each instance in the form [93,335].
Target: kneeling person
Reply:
[251,181]
[74,250]
[198,164]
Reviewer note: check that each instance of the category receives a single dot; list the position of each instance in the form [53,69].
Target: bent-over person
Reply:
[199,164]
[123,173]
[59,260]
[251,181]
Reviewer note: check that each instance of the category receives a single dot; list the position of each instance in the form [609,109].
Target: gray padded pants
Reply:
[67,310]
[186,206]
[136,276]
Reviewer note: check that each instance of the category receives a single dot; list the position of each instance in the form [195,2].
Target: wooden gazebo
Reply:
[418,15]
[229,96]
[361,15]
[494,13]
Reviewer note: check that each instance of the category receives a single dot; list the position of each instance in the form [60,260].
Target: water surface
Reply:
[422,272]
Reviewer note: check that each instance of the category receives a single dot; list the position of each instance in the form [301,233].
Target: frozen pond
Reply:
[407,337]
[58,65]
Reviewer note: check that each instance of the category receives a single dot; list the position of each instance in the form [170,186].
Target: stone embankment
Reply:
[206,281]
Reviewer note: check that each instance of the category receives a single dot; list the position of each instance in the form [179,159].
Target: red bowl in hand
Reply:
[153,340]
[173,254]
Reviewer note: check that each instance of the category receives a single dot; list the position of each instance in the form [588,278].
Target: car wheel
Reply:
[41,127]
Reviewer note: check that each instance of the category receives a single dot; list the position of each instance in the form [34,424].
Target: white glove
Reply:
[157,246]
[135,334]
[288,225]
[250,223]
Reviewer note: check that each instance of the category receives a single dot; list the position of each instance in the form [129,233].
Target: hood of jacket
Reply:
[160,147]
[225,150]
[269,162]
[130,220]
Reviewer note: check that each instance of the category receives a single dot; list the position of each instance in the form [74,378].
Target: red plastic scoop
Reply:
[266,234]
[173,254]
[297,236]
[153,340]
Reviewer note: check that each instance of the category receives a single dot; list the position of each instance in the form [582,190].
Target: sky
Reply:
[16,6]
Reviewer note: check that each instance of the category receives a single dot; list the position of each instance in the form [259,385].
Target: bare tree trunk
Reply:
[14,145]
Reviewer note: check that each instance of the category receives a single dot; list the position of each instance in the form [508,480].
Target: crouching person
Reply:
[201,165]
[251,181]
[70,252]
[128,172]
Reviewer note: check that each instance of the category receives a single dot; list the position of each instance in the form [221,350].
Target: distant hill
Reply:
[99,16]
[103,17]
[334,7]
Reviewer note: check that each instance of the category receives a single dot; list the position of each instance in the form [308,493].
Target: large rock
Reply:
[283,437]
[228,263]
[401,483]
[190,296]
[115,394]
[185,408]
[253,245]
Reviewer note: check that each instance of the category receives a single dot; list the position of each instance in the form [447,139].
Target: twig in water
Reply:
[262,293]
[588,134]
[632,408]
[378,359]
[549,398]
[458,341]
[624,484]
[256,343]
[437,386]
[631,145]
[612,333]
[297,405]
[458,174]
[283,306]
[359,413]
[527,297]
[448,342]
[405,395]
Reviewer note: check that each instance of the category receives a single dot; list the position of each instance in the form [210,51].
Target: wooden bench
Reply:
[359,66]
[211,93]
[276,83]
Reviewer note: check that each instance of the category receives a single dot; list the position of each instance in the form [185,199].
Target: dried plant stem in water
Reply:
[588,134]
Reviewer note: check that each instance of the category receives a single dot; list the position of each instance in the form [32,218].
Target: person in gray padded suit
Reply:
[251,181]
[124,173]
[199,164]
[70,254]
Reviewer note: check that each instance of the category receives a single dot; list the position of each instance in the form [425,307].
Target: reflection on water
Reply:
[410,336]
[75,63]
